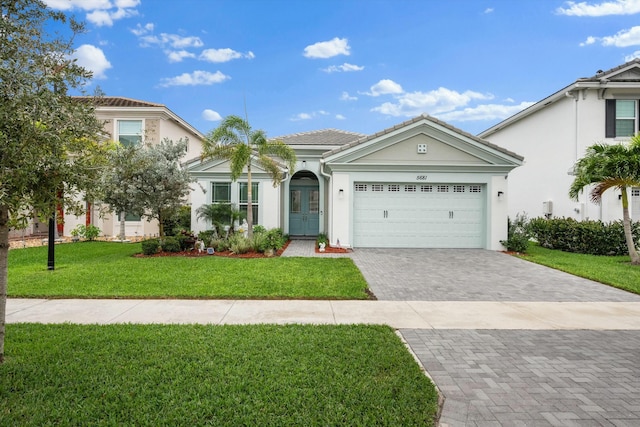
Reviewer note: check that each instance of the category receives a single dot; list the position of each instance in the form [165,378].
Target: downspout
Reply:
[574,96]
[330,204]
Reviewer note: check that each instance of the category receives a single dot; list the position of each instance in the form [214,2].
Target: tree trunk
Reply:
[4,255]
[626,222]
[123,215]
[249,202]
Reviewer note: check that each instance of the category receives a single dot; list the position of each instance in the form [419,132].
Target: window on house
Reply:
[221,192]
[130,132]
[130,217]
[244,198]
[621,118]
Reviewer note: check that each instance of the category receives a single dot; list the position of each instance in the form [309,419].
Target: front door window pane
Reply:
[296,205]
[314,198]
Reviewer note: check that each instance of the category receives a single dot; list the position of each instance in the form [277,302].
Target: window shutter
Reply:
[610,118]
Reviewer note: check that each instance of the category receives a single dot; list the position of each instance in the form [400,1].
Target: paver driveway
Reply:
[512,377]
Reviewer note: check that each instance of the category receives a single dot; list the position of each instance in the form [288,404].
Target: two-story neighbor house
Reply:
[555,132]
[419,184]
[131,121]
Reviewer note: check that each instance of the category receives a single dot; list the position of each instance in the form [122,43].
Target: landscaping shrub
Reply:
[89,232]
[322,238]
[150,247]
[239,244]
[207,237]
[259,241]
[179,219]
[276,239]
[171,244]
[586,237]
[259,229]
[219,244]
[518,234]
[186,239]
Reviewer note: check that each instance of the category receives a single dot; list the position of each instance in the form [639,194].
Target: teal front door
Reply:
[304,203]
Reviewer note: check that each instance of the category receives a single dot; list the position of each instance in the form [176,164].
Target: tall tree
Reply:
[611,166]
[147,180]
[117,187]
[50,152]
[236,141]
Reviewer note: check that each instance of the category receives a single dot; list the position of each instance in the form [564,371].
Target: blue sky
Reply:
[355,65]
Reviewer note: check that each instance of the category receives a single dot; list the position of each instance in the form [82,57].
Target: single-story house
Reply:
[419,184]
[556,131]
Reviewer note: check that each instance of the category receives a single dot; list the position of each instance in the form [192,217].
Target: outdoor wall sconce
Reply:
[500,194]
[619,196]
[304,164]
[341,193]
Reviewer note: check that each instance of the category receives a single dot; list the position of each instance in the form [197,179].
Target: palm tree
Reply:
[611,166]
[234,140]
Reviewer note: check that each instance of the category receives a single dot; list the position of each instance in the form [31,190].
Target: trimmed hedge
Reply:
[585,237]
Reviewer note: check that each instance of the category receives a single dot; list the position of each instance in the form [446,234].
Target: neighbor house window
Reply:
[621,118]
[130,217]
[130,132]
[244,198]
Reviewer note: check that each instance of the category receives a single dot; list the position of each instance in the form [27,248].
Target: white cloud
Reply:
[342,68]
[142,30]
[340,117]
[488,10]
[435,102]
[211,116]
[179,55]
[346,97]
[223,55]
[171,40]
[633,56]
[484,112]
[99,12]
[301,116]
[92,58]
[384,87]
[328,49]
[616,7]
[623,38]
[309,116]
[197,78]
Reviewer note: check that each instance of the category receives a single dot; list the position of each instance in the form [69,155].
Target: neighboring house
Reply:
[129,121]
[555,132]
[419,184]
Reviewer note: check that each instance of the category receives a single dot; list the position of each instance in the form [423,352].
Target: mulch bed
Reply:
[228,254]
[333,250]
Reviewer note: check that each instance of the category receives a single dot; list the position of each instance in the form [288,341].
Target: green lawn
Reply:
[107,270]
[294,375]
[615,271]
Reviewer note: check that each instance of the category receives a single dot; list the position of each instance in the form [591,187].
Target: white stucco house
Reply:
[419,184]
[131,121]
[555,132]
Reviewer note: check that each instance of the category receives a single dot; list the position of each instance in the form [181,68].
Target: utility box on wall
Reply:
[547,208]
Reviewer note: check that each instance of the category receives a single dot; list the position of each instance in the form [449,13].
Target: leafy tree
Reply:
[236,141]
[117,183]
[611,166]
[50,154]
[147,180]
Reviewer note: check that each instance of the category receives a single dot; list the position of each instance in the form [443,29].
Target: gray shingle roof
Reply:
[321,137]
[601,73]
[116,101]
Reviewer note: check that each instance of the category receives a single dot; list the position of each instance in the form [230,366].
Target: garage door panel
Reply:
[418,216]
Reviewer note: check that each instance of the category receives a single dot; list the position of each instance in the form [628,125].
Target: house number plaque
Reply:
[421,178]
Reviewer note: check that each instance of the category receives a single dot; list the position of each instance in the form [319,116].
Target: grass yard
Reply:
[612,270]
[351,375]
[107,270]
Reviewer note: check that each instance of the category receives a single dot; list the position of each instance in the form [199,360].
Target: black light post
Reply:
[52,242]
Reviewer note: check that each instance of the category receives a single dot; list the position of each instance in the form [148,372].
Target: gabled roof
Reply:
[417,119]
[115,103]
[625,75]
[321,137]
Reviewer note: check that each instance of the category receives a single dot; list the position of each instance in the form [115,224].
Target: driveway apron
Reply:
[512,377]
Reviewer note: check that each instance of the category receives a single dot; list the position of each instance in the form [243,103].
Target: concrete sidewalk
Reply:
[397,314]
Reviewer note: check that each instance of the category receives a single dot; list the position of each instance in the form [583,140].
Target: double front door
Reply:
[304,204]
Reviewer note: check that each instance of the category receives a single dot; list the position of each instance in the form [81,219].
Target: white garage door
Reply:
[419,215]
